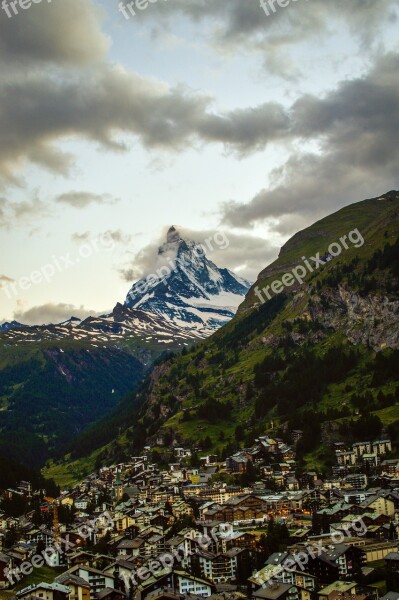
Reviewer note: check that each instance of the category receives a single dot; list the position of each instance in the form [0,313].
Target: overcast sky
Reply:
[205,114]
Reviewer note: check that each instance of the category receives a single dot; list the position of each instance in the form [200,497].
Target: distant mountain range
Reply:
[188,300]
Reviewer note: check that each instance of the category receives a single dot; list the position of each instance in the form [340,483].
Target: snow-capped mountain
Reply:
[187,289]
[7,326]
[187,299]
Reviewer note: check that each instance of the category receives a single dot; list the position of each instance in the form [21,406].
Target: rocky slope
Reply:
[372,320]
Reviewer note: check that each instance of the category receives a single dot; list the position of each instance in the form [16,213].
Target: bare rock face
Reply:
[173,235]
[372,320]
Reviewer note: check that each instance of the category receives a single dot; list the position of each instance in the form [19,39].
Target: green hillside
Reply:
[49,395]
[374,219]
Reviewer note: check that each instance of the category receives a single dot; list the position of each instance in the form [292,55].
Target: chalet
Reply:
[238,463]
[45,591]
[379,504]
[79,589]
[179,581]
[379,550]
[98,580]
[282,591]
[110,594]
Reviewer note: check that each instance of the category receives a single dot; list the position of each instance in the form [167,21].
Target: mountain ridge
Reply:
[158,318]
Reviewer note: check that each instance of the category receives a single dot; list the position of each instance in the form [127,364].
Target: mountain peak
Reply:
[188,288]
[7,326]
[173,235]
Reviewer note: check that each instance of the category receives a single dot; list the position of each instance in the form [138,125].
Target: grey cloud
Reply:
[51,313]
[81,237]
[130,274]
[62,32]
[244,254]
[247,129]
[142,263]
[105,103]
[236,22]
[84,199]
[356,127]
[112,102]
[116,235]
[236,26]
[13,213]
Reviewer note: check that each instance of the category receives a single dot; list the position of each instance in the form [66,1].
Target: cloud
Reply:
[244,254]
[84,96]
[81,238]
[115,235]
[35,36]
[355,127]
[84,199]
[246,130]
[142,263]
[130,274]
[15,213]
[111,103]
[236,25]
[103,103]
[51,313]
[4,280]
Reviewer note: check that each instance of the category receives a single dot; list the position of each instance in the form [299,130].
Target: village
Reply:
[247,527]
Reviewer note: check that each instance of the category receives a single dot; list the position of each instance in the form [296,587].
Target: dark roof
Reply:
[392,556]
[107,591]
[272,592]
[69,578]
[390,596]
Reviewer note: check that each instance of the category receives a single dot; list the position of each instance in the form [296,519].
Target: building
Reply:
[392,571]
[118,488]
[282,591]
[44,591]
[345,457]
[221,567]
[79,589]
[177,581]
[338,562]
[381,447]
[238,463]
[356,480]
[98,580]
